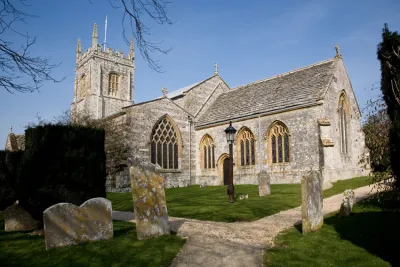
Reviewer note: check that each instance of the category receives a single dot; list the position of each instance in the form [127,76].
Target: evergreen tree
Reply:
[389,57]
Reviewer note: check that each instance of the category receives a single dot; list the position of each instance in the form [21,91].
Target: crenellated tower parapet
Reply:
[103,79]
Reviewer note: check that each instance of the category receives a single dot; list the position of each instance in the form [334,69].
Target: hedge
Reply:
[61,164]
[9,168]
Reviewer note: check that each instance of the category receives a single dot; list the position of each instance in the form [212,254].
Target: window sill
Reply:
[280,164]
[169,171]
[246,166]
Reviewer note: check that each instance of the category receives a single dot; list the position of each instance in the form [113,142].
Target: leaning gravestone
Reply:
[17,218]
[264,185]
[149,201]
[67,224]
[311,198]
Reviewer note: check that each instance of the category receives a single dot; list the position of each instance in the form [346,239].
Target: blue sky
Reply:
[250,40]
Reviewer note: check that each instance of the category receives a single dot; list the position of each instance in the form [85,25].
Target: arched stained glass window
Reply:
[165,144]
[278,137]
[247,147]
[207,152]
[343,127]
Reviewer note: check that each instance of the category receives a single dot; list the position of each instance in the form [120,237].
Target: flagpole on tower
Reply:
[105,35]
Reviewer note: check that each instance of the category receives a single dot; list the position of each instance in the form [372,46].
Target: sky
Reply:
[250,40]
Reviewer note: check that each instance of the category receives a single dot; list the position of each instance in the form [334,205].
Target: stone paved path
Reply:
[236,244]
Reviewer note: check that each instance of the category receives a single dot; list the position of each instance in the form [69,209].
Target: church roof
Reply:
[297,88]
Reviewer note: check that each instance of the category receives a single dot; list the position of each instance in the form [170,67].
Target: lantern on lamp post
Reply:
[230,138]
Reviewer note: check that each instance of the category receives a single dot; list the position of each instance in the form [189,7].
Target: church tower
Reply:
[103,80]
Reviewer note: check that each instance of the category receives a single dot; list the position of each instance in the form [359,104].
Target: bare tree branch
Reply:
[19,70]
[134,13]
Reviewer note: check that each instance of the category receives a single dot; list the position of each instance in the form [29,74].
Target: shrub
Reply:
[9,167]
[61,164]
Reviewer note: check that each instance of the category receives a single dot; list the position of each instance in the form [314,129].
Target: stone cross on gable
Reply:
[11,129]
[337,48]
[216,68]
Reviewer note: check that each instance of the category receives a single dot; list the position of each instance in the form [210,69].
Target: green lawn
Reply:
[369,237]
[211,203]
[20,249]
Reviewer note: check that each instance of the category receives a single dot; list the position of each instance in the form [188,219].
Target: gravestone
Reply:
[149,201]
[264,184]
[312,202]
[67,224]
[347,203]
[17,218]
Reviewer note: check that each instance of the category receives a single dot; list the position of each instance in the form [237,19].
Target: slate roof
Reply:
[300,87]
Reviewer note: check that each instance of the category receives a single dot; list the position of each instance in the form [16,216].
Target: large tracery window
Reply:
[246,144]
[165,144]
[113,84]
[82,90]
[279,143]
[207,152]
[343,117]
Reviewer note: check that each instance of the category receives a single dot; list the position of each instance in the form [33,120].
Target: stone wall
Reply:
[199,96]
[339,165]
[96,65]
[304,148]
[143,117]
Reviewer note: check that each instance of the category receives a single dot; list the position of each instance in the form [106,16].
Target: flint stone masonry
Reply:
[149,202]
[66,224]
[264,185]
[311,202]
[17,218]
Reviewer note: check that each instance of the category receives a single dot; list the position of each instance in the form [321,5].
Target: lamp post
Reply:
[230,138]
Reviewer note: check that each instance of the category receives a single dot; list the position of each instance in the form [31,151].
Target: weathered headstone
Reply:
[312,202]
[149,201]
[347,203]
[67,224]
[264,184]
[17,218]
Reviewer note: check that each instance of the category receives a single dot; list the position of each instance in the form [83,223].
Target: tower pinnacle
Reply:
[95,35]
[132,50]
[78,48]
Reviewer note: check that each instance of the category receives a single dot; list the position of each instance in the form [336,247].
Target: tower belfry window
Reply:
[113,83]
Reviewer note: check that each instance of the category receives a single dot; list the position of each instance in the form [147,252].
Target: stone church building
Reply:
[301,120]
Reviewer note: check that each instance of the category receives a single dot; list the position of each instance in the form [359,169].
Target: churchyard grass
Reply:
[20,249]
[368,237]
[211,203]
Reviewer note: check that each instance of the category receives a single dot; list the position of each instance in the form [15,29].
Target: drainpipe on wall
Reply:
[190,149]
[259,144]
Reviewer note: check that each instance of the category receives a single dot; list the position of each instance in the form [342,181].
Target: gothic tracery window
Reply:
[165,144]
[246,147]
[278,137]
[113,84]
[82,90]
[207,152]
[343,127]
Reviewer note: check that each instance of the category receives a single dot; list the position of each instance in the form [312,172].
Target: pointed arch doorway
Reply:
[223,169]
[226,171]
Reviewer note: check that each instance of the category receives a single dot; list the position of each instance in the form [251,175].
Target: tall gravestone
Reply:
[312,202]
[67,224]
[149,201]
[264,184]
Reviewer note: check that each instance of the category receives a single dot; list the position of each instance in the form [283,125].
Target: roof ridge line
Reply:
[283,74]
